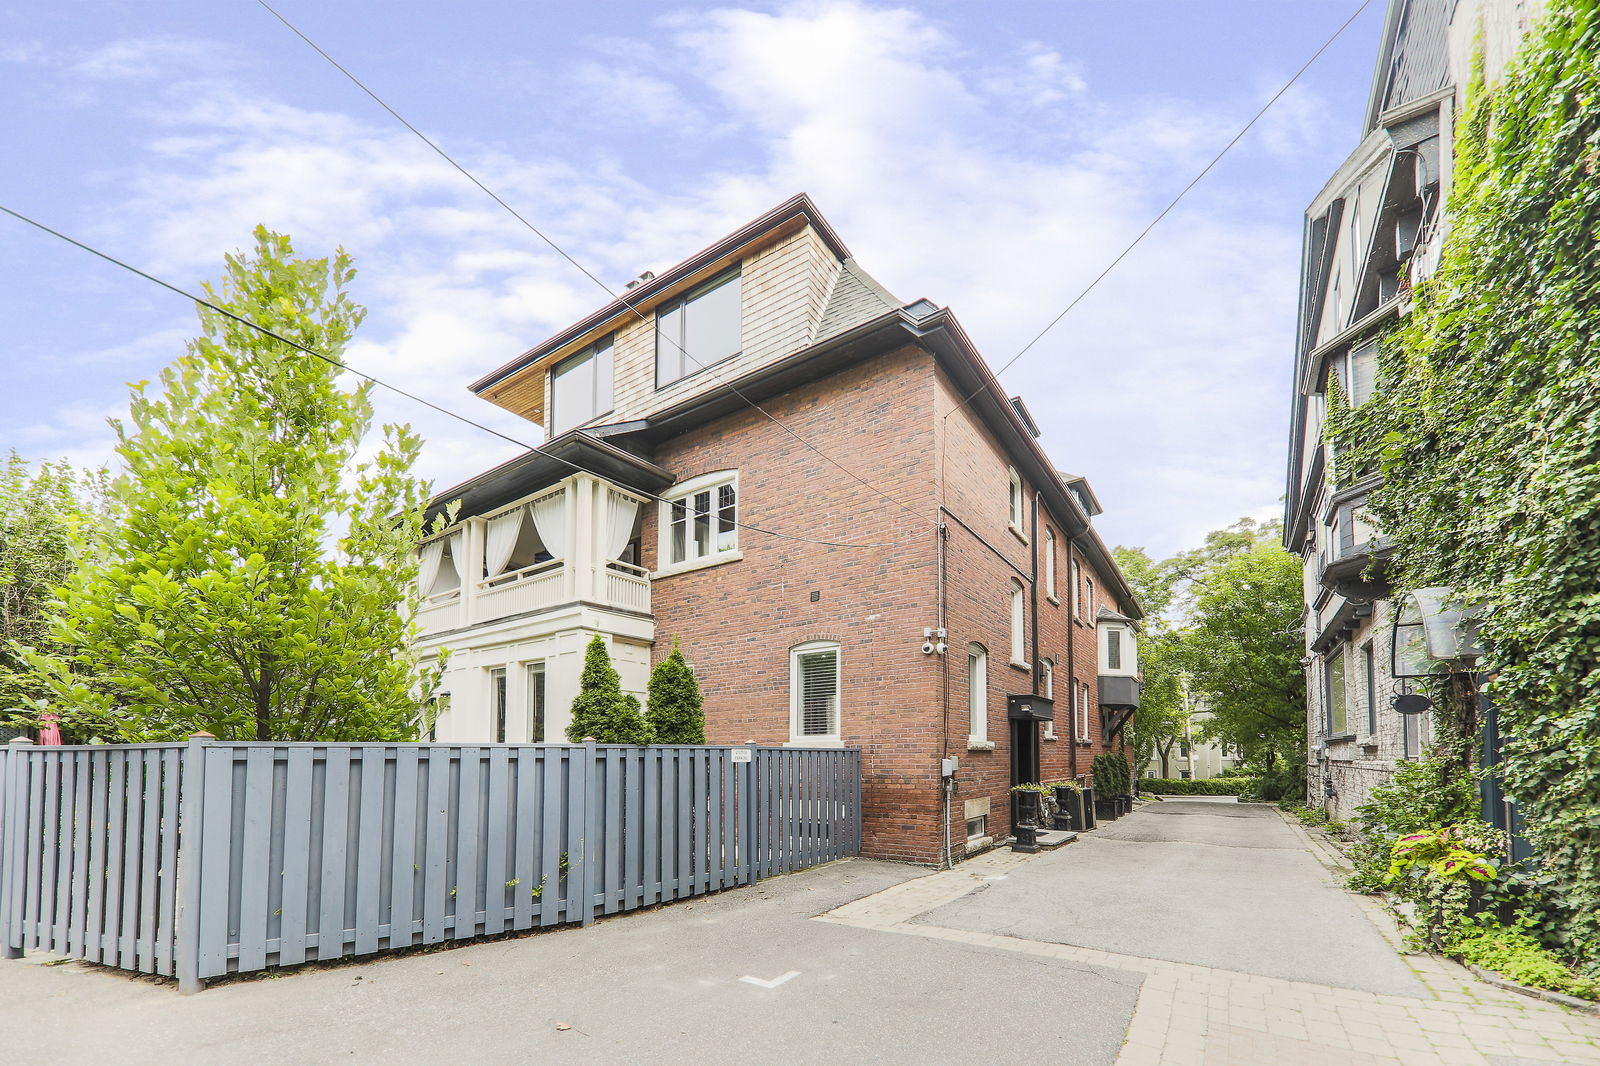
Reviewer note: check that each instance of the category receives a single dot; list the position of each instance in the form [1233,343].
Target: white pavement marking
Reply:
[774,983]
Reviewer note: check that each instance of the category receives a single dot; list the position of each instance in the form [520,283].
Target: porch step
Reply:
[1055,838]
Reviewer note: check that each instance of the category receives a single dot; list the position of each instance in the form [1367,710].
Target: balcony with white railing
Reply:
[532,588]
[550,550]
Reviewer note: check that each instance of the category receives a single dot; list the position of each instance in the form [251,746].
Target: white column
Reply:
[470,567]
[582,531]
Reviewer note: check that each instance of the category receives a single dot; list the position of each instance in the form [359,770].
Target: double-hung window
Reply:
[1370,687]
[1014,501]
[536,693]
[977,694]
[814,691]
[700,522]
[1050,563]
[497,702]
[1019,651]
[581,387]
[1076,574]
[699,329]
[1338,712]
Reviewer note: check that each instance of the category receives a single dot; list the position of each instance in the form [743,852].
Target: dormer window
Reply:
[581,387]
[1118,653]
[701,328]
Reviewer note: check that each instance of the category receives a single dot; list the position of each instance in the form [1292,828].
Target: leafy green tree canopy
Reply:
[676,713]
[601,710]
[46,514]
[249,579]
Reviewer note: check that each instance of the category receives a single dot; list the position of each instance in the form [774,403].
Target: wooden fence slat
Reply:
[464,891]
[610,834]
[335,837]
[299,782]
[113,875]
[367,847]
[255,873]
[404,862]
[526,842]
[126,926]
[78,916]
[172,763]
[149,863]
[41,869]
[94,883]
[216,847]
[496,886]
[650,828]
[589,812]
[552,883]
[434,886]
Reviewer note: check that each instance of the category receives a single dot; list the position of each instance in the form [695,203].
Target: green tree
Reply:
[676,713]
[601,710]
[1242,651]
[248,580]
[1158,724]
[45,515]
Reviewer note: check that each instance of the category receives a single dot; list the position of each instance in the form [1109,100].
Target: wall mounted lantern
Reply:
[1433,635]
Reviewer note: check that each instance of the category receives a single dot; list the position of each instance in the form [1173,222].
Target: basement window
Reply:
[977,828]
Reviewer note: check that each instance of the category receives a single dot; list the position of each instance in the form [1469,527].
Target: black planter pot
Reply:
[1069,807]
[1107,809]
[1126,803]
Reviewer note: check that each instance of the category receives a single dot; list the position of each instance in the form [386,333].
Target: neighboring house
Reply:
[1192,758]
[1374,231]
[945,597]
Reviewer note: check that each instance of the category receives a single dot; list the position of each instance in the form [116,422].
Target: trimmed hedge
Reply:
[1216,786]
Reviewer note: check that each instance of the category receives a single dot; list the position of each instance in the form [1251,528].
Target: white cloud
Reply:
[1163,387]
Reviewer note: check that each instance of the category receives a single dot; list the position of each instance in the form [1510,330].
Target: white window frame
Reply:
[1019,625]
[1088,598]
[499,703]
[540,667]
[1075,571]
[796,736]
[1047,682]
[1016,505]
[1082,729]
[722,551]
[1050,566]
[978,697]
[605,348]
[983,828]
[676,347]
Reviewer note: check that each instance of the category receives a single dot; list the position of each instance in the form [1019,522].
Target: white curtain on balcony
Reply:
[620,514]
[432,554]
[550,519]
[501,540]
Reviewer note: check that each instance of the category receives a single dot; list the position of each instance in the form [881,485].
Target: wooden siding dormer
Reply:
[788,260]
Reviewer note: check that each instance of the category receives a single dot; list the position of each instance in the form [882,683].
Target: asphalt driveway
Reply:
[1205,881]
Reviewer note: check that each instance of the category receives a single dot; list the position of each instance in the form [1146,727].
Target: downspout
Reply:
[946,784]
[1072,669]
[1033,585]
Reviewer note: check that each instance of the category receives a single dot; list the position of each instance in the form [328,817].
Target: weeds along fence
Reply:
[202,859]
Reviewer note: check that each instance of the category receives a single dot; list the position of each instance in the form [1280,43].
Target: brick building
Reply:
[764,455]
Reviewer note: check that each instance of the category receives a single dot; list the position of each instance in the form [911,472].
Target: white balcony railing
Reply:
[529,589]
[627,586]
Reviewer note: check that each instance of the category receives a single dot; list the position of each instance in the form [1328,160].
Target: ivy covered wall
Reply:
[1486,428]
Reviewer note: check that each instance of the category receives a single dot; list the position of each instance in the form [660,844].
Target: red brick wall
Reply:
[737,621]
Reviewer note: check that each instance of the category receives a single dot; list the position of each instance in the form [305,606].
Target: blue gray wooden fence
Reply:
[202,859]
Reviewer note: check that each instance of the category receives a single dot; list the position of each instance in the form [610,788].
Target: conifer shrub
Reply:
[676,712]
[602,710]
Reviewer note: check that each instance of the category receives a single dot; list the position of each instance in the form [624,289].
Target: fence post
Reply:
[590,871]
[191,803]
[747,812]
[11,844]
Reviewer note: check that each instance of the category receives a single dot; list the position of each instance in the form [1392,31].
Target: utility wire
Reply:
[1237,137]
[581,268]
[397,390]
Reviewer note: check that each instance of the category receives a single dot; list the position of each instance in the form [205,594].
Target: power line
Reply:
[563,253]
[1237,137]
[397,390]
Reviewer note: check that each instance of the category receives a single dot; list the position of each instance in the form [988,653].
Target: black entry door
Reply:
[1024,759]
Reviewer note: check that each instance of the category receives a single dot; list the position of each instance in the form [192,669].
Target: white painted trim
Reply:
[683,491]
[820,740]
[698,564]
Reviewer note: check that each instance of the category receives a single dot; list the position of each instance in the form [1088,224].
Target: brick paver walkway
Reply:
[1191,1015]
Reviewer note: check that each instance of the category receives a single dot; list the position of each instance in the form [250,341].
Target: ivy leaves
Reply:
[1486,430]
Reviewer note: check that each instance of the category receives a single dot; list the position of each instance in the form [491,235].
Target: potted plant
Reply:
[1108,785]
[1068,805]
[1031,797]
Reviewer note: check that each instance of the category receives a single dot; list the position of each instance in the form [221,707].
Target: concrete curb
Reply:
[1489,977]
